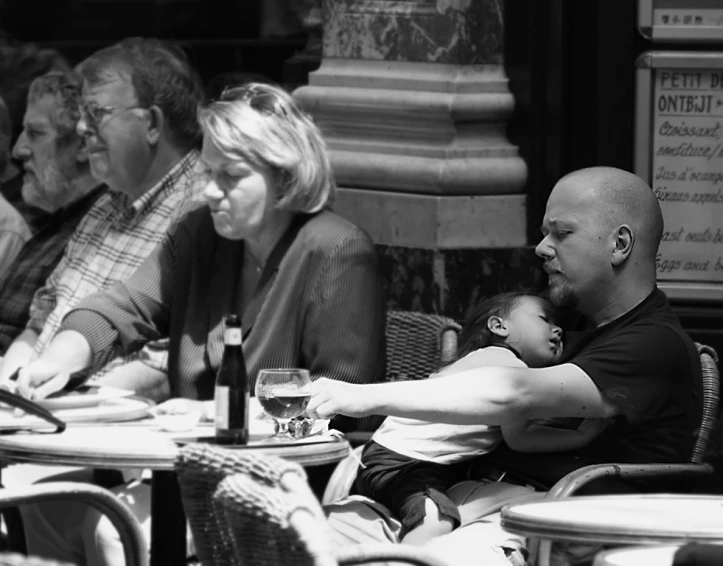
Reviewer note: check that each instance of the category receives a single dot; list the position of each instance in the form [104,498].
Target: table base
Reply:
[168,517]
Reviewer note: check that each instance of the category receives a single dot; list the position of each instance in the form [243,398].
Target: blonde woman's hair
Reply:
[262,124]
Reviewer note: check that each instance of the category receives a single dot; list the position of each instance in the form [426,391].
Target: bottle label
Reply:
[232,336]
[222,405]
[232,410]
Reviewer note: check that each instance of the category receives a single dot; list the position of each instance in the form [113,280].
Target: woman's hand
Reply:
[330,397]
[40,378]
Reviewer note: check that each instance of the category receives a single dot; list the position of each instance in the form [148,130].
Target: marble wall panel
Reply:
[440,31]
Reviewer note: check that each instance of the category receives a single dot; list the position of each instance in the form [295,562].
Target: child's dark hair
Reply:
[475,332]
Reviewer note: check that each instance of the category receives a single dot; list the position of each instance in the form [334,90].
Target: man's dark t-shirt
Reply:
[650,369]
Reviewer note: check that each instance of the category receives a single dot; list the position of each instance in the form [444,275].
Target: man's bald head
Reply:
[621,197]
[601,232]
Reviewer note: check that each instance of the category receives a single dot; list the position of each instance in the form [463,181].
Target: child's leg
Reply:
[413,490]
[426,514]
[433,524]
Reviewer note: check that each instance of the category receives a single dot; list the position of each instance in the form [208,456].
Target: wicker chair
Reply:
[200,468]
[418,344]
[229,523]
[284,525]
[134,543]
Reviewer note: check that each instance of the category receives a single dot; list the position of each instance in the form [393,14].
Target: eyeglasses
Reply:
[257,98]
[95,114]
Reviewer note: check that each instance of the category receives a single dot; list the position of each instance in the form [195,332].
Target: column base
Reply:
[436,222]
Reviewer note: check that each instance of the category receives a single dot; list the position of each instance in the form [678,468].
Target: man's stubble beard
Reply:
[562,295]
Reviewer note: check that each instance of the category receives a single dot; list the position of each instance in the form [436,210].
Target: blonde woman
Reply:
[267,247]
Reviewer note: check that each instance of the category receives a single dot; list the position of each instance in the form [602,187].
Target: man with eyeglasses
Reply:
[56,186]
[137,120]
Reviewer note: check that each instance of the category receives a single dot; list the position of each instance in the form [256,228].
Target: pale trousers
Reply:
[479,541]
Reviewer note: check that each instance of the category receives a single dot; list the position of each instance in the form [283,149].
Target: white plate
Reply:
[92,398]
[116,410]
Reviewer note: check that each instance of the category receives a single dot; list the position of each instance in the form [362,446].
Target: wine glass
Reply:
[283,394]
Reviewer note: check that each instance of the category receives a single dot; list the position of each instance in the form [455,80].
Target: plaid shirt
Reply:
[110,243]
[36,260]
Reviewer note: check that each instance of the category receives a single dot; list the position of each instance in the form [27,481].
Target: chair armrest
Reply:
[135,547]
[573,481]
[374,552]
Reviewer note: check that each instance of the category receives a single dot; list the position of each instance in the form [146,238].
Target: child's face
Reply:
[533,332]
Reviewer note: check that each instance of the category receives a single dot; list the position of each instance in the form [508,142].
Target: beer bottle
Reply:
[232,387]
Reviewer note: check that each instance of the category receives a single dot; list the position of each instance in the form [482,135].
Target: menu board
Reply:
[681,20]
[679,152]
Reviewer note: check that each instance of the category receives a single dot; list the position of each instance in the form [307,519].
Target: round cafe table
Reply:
[623,519]
[141,444]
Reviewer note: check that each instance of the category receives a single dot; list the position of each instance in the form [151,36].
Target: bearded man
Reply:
[56,183]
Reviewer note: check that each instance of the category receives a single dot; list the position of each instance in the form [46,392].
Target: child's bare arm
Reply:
[529,436]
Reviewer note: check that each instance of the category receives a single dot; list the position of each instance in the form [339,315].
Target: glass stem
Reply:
[283,426]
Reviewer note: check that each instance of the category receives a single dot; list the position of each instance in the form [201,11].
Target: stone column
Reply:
[413,100]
